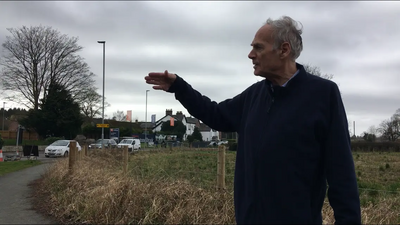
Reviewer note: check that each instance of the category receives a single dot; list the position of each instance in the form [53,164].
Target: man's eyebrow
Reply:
[256,44]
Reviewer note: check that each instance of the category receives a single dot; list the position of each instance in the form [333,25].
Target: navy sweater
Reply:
[293,140]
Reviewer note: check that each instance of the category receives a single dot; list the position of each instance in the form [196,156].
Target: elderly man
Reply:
[293,135]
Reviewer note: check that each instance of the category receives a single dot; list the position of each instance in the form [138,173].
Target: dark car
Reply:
[108,143]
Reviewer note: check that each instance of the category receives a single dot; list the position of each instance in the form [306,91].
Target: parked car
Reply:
[223,143]
[218,143]
[133,144]
[115,139]
[108,143]
[59,148]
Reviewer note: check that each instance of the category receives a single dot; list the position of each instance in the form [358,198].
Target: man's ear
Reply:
[285,50]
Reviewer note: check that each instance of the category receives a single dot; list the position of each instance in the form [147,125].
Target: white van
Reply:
[133,144]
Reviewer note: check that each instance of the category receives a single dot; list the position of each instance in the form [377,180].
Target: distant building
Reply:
[189,122]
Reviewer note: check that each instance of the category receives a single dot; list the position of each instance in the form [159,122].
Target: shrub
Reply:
[232,146]
[363,146]
[231,141]
[50,140]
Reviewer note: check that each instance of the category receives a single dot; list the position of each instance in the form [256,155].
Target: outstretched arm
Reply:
[223,116]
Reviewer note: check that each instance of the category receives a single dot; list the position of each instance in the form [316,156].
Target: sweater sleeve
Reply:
[224,116]
[340,172]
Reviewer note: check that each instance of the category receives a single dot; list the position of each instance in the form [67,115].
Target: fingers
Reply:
[161,80]
[157,74]
[164,74]
[156,82]
[158,88]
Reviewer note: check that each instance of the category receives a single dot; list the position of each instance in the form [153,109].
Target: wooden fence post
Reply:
[125,157]
[221,167]
[72,157]
[76,154]
[80,154]
[85,147]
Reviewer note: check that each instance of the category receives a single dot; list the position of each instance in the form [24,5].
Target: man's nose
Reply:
[251,55]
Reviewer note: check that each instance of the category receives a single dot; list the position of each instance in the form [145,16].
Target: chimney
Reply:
[168,112]
[179,113]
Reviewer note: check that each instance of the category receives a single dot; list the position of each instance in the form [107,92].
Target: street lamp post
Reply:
[145,122]
[4,109]
[104,75]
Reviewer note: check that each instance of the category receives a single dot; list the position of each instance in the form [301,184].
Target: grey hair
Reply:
[286,29]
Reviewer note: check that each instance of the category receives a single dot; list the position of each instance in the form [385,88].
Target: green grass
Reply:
[12,166]
[378,174]
[198,167]
[158,185]
[374,171]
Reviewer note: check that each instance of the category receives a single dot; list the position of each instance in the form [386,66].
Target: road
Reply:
[15,202]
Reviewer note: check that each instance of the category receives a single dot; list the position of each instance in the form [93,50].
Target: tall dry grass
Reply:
[98,192]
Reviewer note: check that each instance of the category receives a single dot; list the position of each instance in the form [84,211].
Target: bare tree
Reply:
[396,115]
[119,116]
[92,103]
[37,56]
[390,128]
[315,70]
[372,130]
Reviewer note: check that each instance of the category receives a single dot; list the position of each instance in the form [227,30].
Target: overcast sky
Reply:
[207,44]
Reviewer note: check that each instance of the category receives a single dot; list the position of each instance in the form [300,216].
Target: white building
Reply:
[207,133]
[189,122]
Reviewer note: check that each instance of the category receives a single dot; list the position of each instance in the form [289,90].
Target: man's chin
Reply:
[257,74]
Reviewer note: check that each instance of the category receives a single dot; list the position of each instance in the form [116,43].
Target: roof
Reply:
[191,120]
[204,127]
[149,125]
[178,117]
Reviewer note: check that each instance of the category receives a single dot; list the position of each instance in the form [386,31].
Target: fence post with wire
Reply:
[221,167]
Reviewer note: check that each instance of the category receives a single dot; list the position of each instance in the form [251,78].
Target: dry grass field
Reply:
[178,187]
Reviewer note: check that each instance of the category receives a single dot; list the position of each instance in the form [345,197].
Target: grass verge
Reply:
[12,166]
[178,187]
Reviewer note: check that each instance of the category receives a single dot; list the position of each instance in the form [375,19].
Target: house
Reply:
[189,122]
[207,133]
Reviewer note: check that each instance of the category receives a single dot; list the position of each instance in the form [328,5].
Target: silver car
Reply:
[108,143]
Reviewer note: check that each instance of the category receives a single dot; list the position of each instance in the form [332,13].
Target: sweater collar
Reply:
[296,78]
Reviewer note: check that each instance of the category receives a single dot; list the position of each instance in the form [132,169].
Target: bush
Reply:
[363,146]
[50,140]
[232,146]
[231,141]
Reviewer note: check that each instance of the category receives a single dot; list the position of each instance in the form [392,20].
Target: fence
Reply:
[215,166]
[379,184]
[25,135]
[215,172]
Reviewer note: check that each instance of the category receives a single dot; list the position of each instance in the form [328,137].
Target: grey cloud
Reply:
[207,44]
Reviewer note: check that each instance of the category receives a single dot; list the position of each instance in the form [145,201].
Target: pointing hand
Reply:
[161,81]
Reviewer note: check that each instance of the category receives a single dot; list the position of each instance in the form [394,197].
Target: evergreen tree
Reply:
[58,116]
[197,135]
[178,129]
